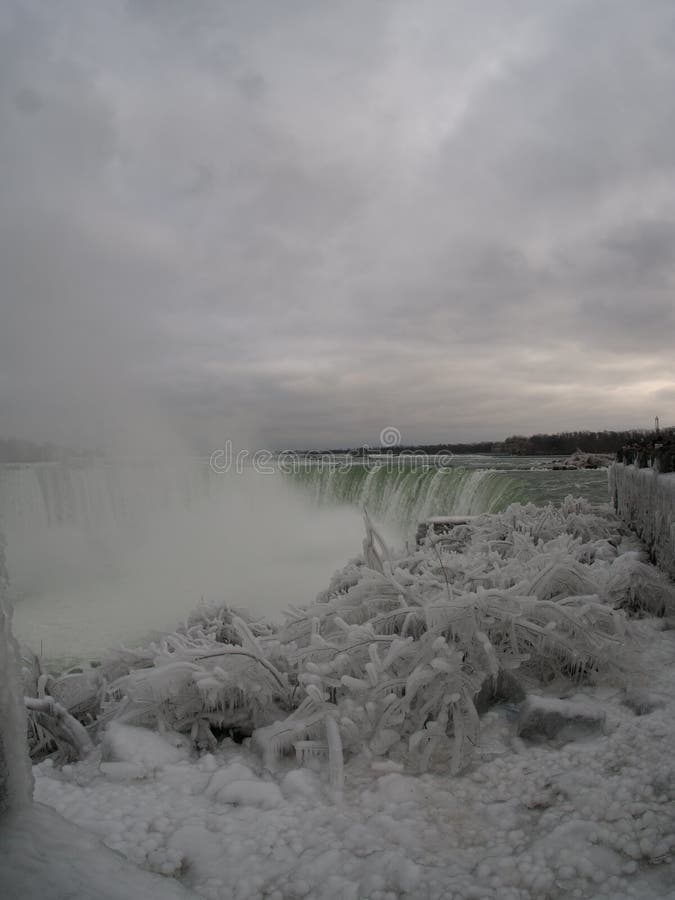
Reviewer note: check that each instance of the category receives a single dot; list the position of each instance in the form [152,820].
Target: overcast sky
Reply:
[296,222]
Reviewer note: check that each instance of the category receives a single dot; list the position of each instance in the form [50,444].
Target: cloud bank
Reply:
[300,222]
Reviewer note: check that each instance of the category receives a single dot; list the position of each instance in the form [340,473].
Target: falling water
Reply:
[401,494]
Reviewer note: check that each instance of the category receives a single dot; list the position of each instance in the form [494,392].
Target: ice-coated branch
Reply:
[57,720]
[265,663]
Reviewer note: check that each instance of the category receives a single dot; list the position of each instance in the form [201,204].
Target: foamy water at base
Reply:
[102,555]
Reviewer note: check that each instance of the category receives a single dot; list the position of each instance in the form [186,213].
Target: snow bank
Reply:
[561,719]
[127,743]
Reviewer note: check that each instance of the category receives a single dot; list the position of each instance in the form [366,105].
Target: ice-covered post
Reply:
[16,780]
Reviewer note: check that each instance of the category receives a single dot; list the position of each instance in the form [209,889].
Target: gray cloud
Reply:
[302,222]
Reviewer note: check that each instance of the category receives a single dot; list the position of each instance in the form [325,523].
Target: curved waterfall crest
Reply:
[405,497]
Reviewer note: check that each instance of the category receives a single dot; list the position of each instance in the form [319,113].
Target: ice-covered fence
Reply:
[15,774]
[645,500]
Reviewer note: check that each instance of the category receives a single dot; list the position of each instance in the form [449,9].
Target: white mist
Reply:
[104,554]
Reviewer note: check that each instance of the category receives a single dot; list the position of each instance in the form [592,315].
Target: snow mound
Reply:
[235,771]
[264,795]
[142,747]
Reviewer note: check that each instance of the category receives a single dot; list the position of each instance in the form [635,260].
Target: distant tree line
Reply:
[563,444]
[567,442]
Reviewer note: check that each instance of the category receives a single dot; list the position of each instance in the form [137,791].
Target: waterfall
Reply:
[100,496]
[402,498]
[402,495]
[68,523]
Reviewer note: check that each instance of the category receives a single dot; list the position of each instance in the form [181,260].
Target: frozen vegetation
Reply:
[491,714]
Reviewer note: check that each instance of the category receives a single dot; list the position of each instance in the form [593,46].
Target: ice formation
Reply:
[646,500]
[361,705]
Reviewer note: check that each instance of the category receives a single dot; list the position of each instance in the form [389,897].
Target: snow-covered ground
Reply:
[594,817]
[587,812]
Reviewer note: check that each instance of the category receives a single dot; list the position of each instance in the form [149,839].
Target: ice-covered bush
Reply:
[639,587]
[396,652]
[197,683]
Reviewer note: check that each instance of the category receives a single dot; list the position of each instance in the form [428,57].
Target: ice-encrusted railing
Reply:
[644,498]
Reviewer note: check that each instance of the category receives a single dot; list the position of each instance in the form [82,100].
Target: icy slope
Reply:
[43,857]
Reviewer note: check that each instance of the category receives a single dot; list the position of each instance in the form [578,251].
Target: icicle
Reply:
[335,757]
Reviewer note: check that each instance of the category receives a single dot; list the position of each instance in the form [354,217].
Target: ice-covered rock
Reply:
[642,702]
[235,771]
[504,687]
[302,784]
[251,792]
[549,717]
[394,788]
[131,744]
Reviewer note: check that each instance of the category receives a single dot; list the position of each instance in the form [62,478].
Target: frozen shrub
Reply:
[639,587]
